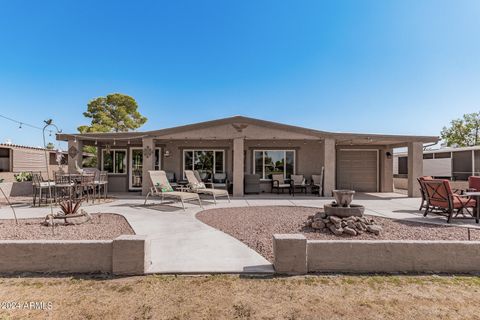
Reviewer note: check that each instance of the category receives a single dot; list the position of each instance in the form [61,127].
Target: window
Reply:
[206,162]
[443,155]
[268,162]
[114,161]
[428,156]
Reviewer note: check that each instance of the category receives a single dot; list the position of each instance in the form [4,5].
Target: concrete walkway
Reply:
[183,244]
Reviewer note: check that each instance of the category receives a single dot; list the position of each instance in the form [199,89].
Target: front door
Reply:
[136,166]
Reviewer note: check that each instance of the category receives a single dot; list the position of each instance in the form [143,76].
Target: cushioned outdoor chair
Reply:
[279,183]
[163,189]
[474,184]
[317,182]
[198,186]
[424,204]
[442,199]
[298,182]
[220,180]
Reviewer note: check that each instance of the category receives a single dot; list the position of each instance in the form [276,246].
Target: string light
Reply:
[21,123]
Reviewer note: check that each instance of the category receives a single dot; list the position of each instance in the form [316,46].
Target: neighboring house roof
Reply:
[17,146]
[342,138]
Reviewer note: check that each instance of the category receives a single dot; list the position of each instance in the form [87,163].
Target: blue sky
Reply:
[399,67]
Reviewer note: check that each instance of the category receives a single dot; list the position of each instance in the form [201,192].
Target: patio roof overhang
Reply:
[236,126]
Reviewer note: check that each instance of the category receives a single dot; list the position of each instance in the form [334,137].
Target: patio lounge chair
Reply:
[442,199]
[317,182]
[279,183]
[199,187]
[163,189]
[298,182]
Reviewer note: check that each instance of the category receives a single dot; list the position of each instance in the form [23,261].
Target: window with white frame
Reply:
[206,162]
[114,161]
[268,162]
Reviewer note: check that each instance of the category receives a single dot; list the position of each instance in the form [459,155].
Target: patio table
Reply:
[475,195]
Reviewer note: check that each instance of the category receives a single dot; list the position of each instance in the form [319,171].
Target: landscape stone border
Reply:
[125,255]
[373,256]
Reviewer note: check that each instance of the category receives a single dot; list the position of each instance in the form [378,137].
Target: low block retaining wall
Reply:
[377,256]
[17,189]
[125,255]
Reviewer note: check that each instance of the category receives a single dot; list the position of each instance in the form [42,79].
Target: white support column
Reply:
[238,166]
[415,167]
[148,146]
[329,162]
[75,155]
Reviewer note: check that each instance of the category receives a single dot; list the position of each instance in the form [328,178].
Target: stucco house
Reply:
[239,145]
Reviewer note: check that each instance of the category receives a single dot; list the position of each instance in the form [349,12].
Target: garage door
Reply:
[357,170]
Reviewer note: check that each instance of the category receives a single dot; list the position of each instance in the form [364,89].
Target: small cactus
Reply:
[70,207]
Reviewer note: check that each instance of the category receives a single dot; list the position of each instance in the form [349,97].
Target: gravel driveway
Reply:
[255,227]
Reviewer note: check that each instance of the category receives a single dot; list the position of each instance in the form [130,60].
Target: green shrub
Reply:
[23,176]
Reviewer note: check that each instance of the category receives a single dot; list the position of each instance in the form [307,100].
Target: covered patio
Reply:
[239,145]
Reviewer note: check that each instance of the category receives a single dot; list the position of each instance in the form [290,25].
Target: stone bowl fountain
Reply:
[342,206]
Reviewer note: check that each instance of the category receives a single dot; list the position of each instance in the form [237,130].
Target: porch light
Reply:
[167,153]
[388,154]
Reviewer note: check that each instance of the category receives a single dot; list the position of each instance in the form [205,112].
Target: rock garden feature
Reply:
[352,226]
[255,227]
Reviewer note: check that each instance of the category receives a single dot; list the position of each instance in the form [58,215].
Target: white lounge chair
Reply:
[163,189]
[199,187]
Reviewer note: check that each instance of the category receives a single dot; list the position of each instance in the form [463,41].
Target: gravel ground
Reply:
[255,226]
[103,226]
